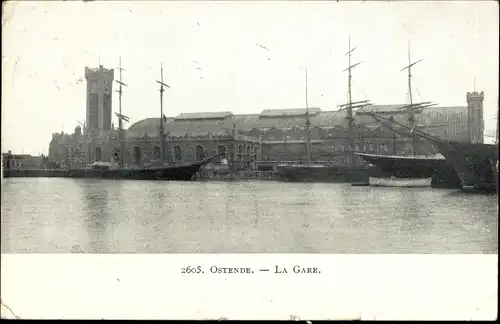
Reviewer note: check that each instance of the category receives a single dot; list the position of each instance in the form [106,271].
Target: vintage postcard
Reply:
[233,160]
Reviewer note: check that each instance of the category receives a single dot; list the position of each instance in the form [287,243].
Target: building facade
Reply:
[142,148]
[276,135]
[22,161]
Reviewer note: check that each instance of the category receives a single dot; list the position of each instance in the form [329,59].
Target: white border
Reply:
[142,286]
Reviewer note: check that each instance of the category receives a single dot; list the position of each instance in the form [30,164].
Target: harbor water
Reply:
[57,215]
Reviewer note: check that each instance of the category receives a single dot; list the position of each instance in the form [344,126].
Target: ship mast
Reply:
[120,116]
[350,106]
[308,124]
[411,115]
[162,130]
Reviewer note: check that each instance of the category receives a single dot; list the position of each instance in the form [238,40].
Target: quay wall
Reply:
[34,173]
[238,175]
[205,175]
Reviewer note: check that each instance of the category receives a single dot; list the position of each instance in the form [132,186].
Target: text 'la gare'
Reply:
[296,269]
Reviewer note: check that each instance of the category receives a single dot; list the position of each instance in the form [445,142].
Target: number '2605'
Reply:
[192,270]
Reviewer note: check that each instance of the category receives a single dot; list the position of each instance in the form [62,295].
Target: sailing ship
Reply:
[314,172]
[475,163]
[111,171]
[414,168]
[105,171]
[433,167]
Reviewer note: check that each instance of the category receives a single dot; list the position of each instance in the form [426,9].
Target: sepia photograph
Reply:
[249,127]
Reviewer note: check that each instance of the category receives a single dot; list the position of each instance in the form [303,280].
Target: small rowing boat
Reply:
[400,182]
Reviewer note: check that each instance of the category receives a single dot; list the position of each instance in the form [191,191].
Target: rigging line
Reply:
[418,92]
[359,88]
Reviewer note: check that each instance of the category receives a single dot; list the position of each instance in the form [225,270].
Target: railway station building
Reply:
[271,136]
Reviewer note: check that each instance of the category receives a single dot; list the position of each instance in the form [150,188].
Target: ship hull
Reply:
[173,173]
[322,173]
[475,164]
[180,173]
[440,170]
[401,182]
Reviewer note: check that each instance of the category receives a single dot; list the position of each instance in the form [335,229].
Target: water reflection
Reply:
[413,213]
[301,233]
[214,217]
[97,217]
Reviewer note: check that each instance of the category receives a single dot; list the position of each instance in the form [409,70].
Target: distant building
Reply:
[273,135]
[22,161]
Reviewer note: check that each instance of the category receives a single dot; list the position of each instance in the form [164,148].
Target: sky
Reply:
[212,61]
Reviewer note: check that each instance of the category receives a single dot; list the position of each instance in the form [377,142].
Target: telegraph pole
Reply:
[119,115]
[162,130]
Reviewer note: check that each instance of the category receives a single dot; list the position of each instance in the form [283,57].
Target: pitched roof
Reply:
[204,115]
[381,108]
[444,114]
[151,127]
[289,112]
[320,119]
[203,123]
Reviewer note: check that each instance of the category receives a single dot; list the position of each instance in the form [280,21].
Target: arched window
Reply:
[136,154]
[221,150]
[240,151]
[248,152]
[156,152]
[98,153]
[177,153]
[199,153]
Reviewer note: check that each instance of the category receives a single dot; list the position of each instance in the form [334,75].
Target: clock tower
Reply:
[99,99]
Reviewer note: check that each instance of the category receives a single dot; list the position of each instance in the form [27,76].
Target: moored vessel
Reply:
[175,173]
[414,167]
[434,166]
[400,182]
[474,163]
[105,170]
[312,172]
[325,172]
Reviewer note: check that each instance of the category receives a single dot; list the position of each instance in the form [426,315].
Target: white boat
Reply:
[400,182]
[103,165]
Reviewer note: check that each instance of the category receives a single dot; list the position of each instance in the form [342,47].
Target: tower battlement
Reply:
[475,95]
[99,72]
[475,119]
